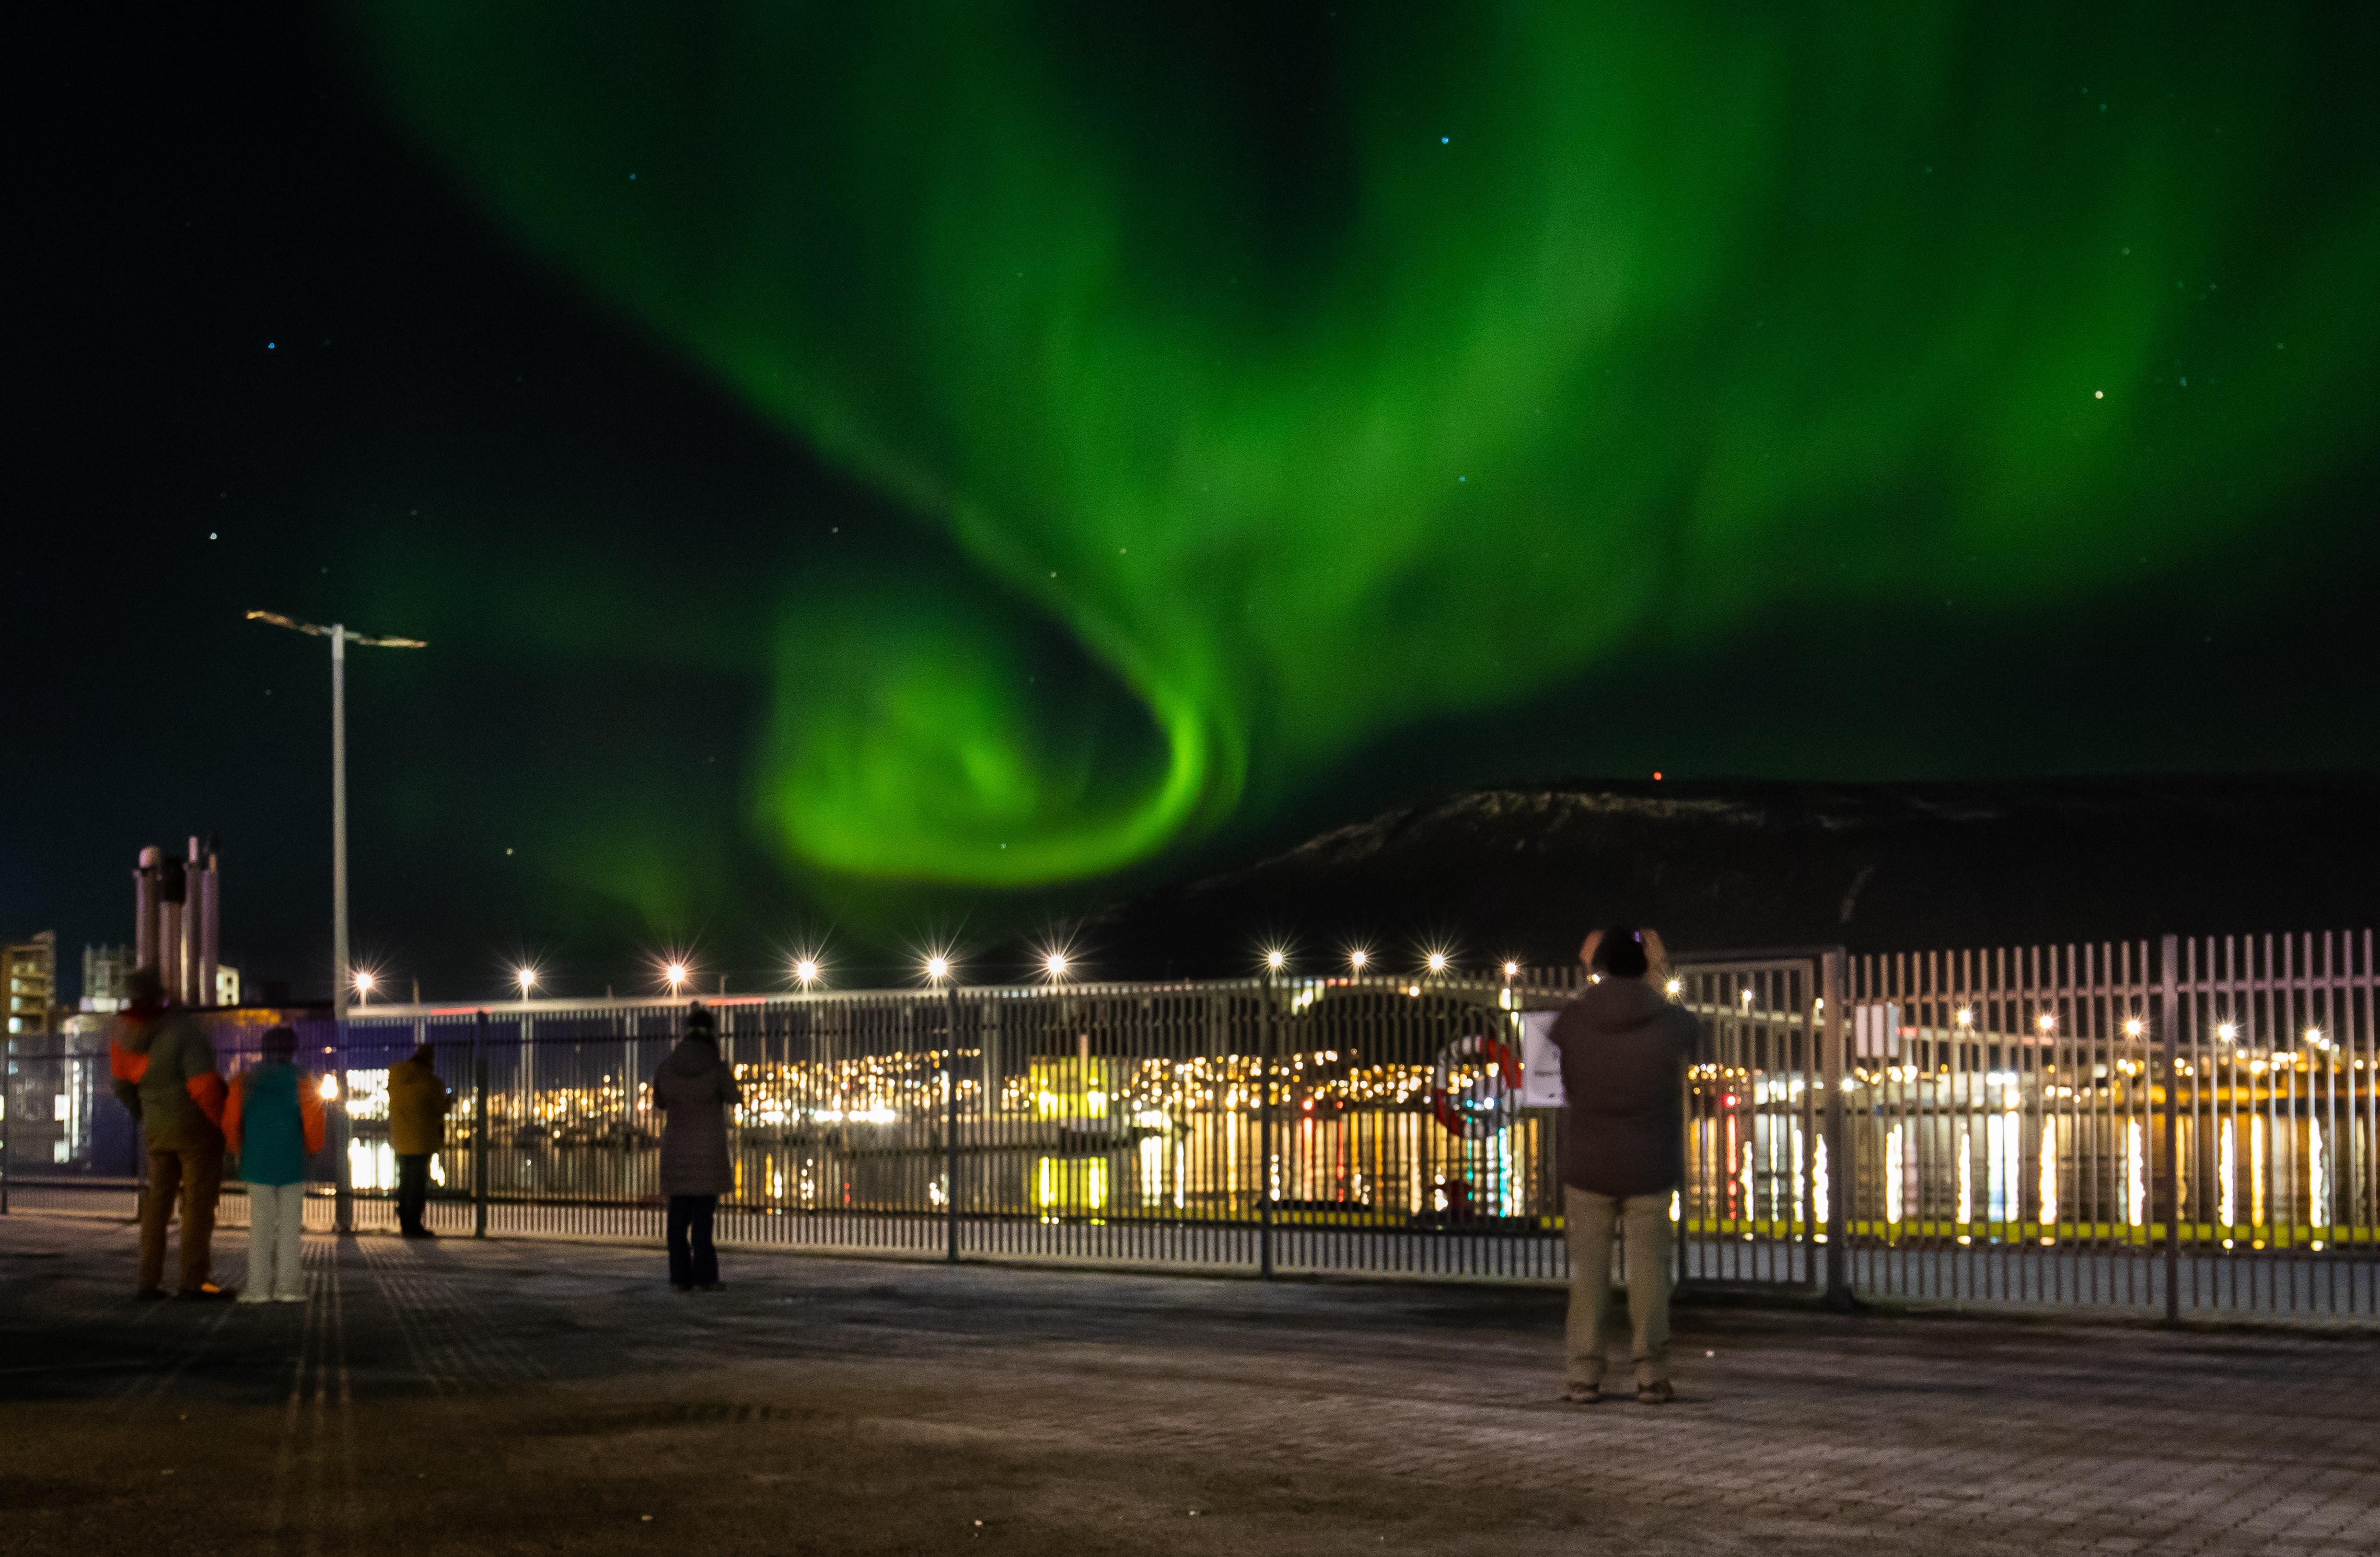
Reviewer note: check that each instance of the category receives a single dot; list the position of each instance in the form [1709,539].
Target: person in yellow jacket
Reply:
[418,1102]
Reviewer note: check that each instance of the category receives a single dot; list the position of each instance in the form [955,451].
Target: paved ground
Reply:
[528,1396]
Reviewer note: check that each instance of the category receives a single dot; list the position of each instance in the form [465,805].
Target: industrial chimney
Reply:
[176,915]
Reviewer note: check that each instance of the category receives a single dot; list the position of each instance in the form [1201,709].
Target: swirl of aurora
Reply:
[1320,370]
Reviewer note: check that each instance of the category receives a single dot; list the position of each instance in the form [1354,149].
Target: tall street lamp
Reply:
[340,975]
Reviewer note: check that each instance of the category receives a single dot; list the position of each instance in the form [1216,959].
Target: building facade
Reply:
[106,972]
[30,972]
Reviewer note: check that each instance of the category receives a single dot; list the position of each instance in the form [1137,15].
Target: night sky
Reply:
[874,473]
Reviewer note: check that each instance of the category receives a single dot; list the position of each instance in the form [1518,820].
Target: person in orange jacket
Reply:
[165,1072]
[274,1120]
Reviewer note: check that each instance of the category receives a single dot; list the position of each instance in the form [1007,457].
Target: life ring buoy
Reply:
[1504,1070]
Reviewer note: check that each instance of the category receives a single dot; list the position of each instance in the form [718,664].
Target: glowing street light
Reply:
[1054,964]
[1359,960]
[365,983]
[2045,1022]
[806,971]
[2134,1027]
[1276,959]
[938,967]
[677,973]
[526,979]
[1512,968]
[1437,962]
[2227,1031]
[1966,1018]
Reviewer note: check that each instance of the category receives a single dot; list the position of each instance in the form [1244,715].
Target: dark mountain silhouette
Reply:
[1524,871]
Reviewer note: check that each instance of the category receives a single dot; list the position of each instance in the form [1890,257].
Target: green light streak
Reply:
[1320,377]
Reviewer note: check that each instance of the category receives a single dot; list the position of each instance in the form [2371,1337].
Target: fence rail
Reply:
[2184,1128]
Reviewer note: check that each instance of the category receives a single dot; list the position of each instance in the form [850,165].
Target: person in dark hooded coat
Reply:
[694,1088]
[1624,1048]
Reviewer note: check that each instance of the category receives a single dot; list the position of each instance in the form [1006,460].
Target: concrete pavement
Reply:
[538,1396]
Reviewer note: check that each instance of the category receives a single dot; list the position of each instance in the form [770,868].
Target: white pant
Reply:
[276,1215]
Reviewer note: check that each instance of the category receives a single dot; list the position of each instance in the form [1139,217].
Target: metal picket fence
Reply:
[2185,1128]
[2180,1128]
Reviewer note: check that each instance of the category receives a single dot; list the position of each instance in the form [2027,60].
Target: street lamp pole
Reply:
[339,965]
[342,976]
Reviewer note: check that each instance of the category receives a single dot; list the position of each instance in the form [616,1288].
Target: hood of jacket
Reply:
[692,1057]
[1621,1004]
[134,1036]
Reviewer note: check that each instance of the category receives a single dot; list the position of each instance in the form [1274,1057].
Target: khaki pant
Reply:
[193,1176]
[1645,1220]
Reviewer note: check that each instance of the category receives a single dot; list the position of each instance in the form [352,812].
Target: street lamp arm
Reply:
[278,620]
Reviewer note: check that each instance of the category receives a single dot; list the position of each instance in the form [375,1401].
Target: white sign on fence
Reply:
[1876,1031]
[1541,1083]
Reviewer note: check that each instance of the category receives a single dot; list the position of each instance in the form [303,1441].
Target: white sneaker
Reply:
[253,1298]
[289,1297]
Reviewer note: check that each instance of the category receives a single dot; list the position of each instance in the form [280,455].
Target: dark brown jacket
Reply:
[1624,1052]
[694,1089]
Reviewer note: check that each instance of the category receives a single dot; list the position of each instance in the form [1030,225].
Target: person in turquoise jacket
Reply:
[274,1120]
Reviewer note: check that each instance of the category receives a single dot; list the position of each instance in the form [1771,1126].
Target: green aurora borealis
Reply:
[1319,375]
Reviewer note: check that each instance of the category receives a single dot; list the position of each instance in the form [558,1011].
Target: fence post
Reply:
[7,1116]
[1839,1175]
[480,1126]
[951,1126]
[2169,1019]
[1265,1044]
[342,1131]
